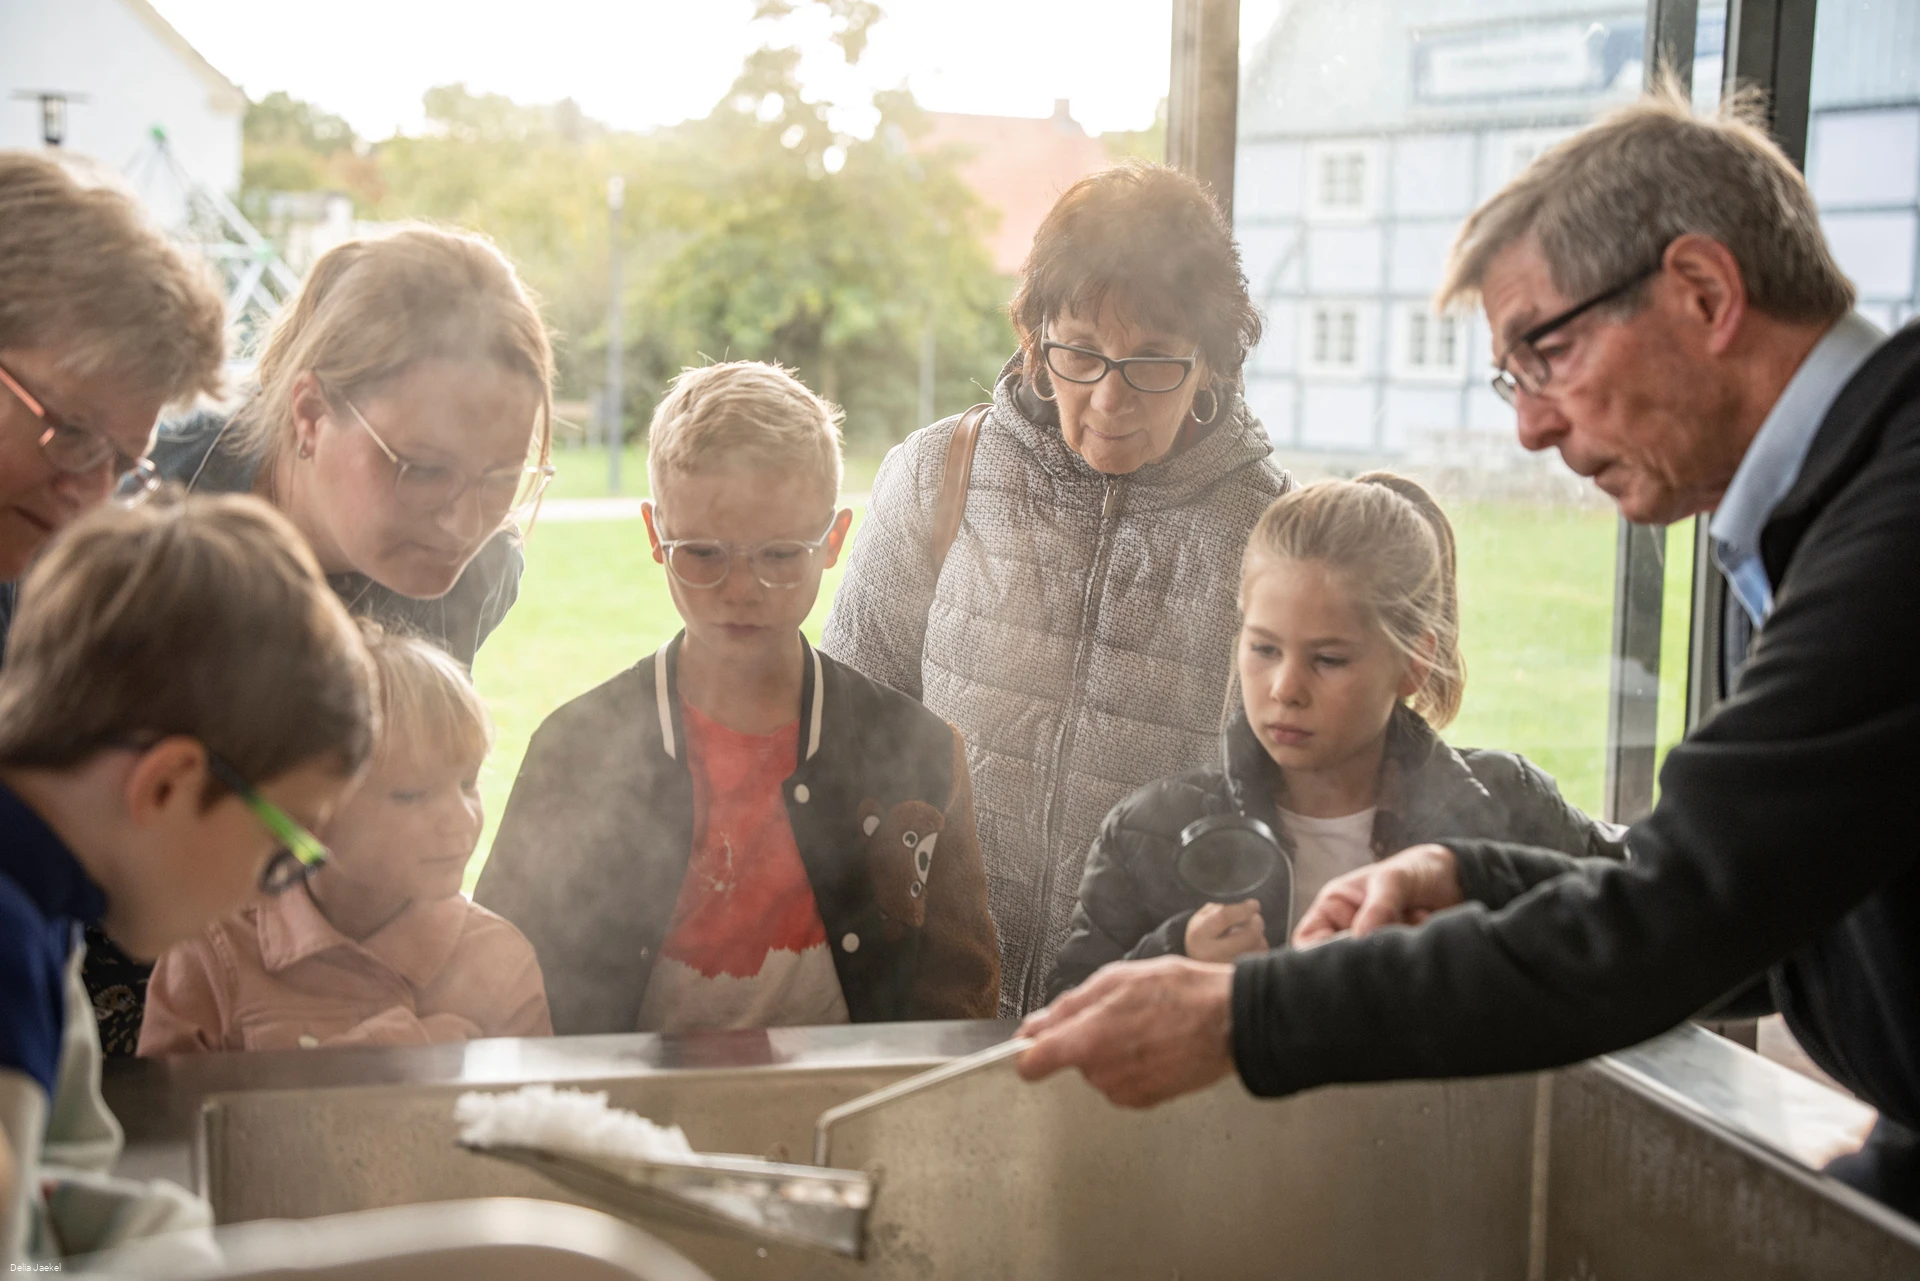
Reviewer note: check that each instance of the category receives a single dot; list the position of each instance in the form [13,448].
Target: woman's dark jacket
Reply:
[1783,841]
[196,452]
[597,837]
[1133,904]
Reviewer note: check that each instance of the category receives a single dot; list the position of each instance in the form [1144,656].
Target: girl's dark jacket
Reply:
[1133,905]
[598,833]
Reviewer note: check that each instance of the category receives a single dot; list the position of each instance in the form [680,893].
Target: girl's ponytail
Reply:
[1446,684]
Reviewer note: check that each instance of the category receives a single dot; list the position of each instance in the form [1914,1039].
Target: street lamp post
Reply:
[616,201]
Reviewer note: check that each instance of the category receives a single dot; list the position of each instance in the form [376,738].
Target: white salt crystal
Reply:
[571,1121]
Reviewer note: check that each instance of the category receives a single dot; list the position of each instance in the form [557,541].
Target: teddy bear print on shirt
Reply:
[899,852]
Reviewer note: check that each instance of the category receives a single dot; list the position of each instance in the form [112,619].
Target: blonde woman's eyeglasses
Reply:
[431,487]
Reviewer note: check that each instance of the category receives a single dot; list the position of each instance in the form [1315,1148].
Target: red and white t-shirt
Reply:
[746,947]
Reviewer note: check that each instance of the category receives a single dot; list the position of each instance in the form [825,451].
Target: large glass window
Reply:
[1367,132]
[1863,149]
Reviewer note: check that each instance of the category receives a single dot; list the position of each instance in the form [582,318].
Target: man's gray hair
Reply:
[1607,202]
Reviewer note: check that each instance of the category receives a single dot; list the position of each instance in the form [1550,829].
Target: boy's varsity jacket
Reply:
[598,833]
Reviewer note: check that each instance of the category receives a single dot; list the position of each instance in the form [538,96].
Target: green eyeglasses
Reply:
[300,854]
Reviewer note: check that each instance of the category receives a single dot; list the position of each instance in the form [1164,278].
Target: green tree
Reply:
[827,253]
[758,231]
[290,145]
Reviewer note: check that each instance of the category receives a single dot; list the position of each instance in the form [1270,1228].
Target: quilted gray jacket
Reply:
[1080,634]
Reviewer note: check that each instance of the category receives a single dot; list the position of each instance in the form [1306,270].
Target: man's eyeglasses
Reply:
[778,562]
[432,487]
[1523,368]
[79,450]
[300,854]
[1151,374]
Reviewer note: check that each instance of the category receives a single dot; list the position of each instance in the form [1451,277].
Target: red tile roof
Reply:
[1018,166]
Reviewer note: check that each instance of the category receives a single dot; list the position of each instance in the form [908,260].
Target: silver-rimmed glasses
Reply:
[779,562]
[78,450]
[432,487]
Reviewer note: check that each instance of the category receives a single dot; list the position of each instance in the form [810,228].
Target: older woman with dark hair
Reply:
[1079,628]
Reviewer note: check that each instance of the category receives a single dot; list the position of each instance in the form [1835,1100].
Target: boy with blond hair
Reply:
[183,701]
[739,832]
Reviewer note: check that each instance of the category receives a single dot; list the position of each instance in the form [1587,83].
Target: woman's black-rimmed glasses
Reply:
[1151,374]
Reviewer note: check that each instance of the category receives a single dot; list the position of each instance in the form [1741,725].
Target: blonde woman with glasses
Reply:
[401,419]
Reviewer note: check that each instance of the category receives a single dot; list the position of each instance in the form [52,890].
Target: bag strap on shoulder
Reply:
[952,503]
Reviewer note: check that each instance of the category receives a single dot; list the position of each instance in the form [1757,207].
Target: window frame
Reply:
[1365,207]
[1312,365]
[1404,313]
[1769,47]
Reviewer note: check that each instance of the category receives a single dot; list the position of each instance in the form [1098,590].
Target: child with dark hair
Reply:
[184,700]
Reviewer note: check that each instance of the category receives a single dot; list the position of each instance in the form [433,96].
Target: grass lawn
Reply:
[1536,602]
[584,473]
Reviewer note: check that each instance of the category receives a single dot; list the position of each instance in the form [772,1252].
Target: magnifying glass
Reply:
[1227,858]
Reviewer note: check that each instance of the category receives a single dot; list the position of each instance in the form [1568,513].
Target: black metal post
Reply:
[1640,556]
[1769,49]
[616,356]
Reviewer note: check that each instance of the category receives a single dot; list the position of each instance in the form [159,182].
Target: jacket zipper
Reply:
[1032,983]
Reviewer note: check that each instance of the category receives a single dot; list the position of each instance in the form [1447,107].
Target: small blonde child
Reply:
[1348,661]
[378,947]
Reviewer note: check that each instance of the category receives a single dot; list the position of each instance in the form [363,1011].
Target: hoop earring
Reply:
[1212,413]
[1046,395]
[304,452]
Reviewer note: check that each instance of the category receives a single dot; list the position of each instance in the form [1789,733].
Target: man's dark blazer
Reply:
[1786,841]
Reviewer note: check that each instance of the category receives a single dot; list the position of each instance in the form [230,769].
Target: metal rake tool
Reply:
[738,1195]
[815,1206]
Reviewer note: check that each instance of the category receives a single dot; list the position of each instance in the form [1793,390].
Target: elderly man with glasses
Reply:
[1666,314]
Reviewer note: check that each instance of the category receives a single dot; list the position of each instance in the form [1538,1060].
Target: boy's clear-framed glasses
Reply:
[1151,374]
[300,854]
[779,562]
[432,487]
[78,450]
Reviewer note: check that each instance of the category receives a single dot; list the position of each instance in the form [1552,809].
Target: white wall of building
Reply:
[133,74]
[1363,146]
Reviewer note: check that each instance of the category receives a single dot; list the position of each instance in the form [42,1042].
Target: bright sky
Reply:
[641,63]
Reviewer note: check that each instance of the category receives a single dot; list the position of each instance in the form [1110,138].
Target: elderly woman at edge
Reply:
[1080,630]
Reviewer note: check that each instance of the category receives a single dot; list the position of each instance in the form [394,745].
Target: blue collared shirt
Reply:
[1773,462]
[45,899]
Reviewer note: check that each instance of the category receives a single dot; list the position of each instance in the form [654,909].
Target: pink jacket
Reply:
[278,976]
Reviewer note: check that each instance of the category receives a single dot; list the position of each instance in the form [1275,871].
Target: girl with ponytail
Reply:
[1346,666]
